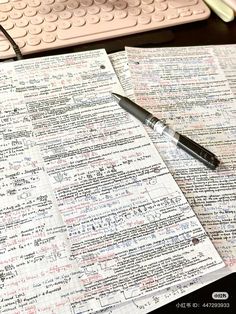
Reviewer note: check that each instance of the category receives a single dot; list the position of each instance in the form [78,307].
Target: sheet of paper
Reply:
[188,88]
[90,215]
[35,264]
[227,62]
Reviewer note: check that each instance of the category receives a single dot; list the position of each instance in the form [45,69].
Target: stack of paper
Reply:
[91,217]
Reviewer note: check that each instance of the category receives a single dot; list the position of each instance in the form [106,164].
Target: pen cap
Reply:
[138,112]
[199,152]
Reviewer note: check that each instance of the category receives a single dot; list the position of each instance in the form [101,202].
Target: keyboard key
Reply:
[36,20]
[198,11]
[4,46]
[48,38]
[107,16]
[35,30]
[134,11]
[80,12]
[93,9]
[121,14]
[144,19]
[172,16]
[51,17]
[17,32]
[44,9]
[186,13]
[147,1]
[121,5]
[183,10]
[65,15]
[5,7]
[8,25]
[72,5]
[107,7]
[3,17]
[86,3]
[157,17]
[15,15]
[93,19]
[34,3]
[22,22]
[33,40]
[181,3]
[134,3]
[161,6]
[99,1]
[148,9]
[64,24]
[21,43]
[58,7]
[49,27]
[30,12]
[79,21]
[64,35]
[19,5]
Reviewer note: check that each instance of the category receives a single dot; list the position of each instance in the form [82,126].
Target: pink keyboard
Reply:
[39,25]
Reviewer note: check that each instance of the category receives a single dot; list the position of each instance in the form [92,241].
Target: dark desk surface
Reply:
[212,31]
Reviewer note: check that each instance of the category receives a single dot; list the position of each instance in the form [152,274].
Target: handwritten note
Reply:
[188,88]
[90,215]
[166,66]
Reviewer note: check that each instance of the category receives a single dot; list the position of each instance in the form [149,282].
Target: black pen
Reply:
[192,148]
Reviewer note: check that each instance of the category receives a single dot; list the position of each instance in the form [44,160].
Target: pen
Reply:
[192,148]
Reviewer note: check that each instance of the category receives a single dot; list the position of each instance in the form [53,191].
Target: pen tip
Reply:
[116,96]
